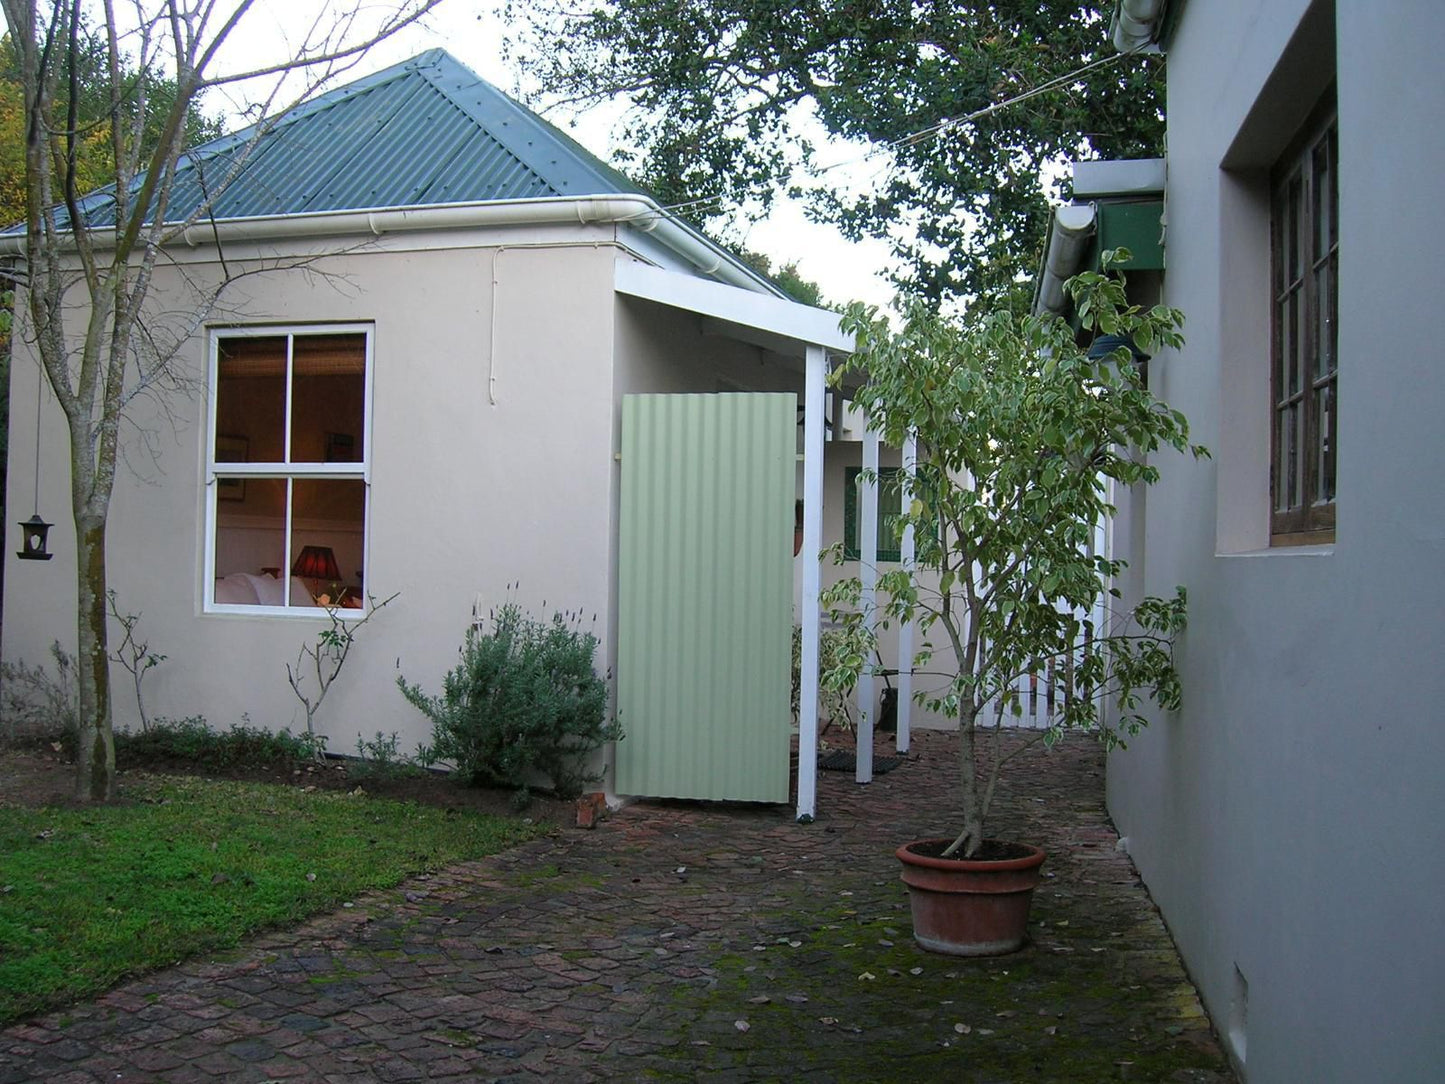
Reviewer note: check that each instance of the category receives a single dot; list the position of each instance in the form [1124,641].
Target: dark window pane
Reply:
[1325,405]
[1292,234]
[1322,188]
[328,398]
[251,399]
[1294,348]
[328,515]
[250,544]
[1324,322]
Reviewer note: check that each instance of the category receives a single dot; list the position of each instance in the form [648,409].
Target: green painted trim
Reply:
[889,490]
[1133,225]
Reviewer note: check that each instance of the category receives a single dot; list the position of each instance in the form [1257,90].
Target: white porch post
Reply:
[811,616]
[907,555]
[868,573]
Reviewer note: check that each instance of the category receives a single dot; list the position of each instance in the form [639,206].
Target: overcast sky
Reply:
[471,31]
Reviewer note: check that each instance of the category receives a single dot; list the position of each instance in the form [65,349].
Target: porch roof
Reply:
[785,327]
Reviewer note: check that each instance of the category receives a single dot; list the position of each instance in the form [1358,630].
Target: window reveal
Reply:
[1305,277]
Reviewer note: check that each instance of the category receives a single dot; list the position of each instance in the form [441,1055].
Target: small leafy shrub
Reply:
[192,741]
[833,699]
[380,758]
[525,699]
[37,705]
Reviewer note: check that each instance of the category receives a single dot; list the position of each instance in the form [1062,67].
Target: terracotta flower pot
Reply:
[970,907]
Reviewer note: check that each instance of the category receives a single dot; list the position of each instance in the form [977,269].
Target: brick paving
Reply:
[685,941]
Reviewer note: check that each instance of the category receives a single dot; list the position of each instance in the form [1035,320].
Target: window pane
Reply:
[1323,319]
[1294,348]
[1325,405]
[328,517]
[250,546]
[327,399]
[1322,187]
[1287,468]
[250,399]
[1333,142]
[1294,200]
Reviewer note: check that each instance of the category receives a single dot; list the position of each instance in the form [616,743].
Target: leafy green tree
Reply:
[787,276]
[717,87]
[143,94]
[1019,433]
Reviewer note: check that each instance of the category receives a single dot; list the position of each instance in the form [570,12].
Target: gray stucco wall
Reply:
[1288,819]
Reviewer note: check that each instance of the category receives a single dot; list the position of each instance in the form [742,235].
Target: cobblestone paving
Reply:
[690,942]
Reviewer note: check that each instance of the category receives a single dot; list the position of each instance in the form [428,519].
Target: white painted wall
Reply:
[1288,819]
[466,496]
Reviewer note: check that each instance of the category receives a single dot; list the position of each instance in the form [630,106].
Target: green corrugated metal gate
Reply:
[705,596]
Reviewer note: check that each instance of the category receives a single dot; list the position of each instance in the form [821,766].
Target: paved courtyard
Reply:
[682,941]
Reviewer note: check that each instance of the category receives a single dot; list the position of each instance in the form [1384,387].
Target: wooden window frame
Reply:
[1303,486]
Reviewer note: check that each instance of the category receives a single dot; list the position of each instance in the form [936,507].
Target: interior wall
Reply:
[1284,819]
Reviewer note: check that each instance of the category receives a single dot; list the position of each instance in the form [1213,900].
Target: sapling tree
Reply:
[1020,435]
[133,654]
[89,267]
[318,664]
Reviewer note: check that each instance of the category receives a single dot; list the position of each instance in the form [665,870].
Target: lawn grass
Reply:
[91,895]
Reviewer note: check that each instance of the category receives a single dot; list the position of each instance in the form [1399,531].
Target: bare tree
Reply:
[90,267]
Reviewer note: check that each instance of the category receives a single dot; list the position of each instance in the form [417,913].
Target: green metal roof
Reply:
[427,131]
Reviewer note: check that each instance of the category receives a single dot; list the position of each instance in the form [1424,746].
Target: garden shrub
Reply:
[38,707]
[192,741]
[524,700]
[834,700]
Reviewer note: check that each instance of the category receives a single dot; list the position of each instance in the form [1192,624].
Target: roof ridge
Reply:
[309,108]
[511,139]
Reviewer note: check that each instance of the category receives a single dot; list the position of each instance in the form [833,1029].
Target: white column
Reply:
[812,579]
[908,556]
[868,573]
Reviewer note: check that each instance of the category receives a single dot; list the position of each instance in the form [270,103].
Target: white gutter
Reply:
[638,212]
[1069,235]
[1136,25]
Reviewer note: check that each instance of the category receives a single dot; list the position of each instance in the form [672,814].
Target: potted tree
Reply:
[1021,436]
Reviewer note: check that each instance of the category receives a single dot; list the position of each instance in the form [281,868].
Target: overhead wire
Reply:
[933,131]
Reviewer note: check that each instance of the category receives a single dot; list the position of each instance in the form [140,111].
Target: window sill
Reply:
[311,613]
[1323,550]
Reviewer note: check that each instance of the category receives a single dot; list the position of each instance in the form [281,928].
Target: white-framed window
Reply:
[287,478]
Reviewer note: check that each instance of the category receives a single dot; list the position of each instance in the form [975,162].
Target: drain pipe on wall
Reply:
[496,290]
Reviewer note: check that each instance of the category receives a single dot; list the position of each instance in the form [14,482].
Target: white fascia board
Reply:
[790,319]
[1121,177]
[634,212]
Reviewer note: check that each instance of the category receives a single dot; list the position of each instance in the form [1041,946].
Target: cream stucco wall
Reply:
[1287,820]
[467,496]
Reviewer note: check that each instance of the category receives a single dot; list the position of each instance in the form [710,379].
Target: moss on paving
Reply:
[851,996]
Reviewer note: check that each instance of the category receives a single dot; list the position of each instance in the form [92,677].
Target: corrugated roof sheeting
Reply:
[424,132]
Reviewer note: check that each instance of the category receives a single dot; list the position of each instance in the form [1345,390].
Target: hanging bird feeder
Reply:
[35,531]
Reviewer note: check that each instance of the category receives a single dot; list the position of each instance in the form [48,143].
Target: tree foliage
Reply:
[1019,436]
[717,87]
[144,94]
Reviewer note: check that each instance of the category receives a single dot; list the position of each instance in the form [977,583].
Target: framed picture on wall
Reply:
[340,448]
[231,450]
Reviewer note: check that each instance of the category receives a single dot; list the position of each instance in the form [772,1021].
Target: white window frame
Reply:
[292,471]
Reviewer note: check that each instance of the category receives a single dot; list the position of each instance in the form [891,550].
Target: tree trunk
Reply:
[971,838]
[95,750]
